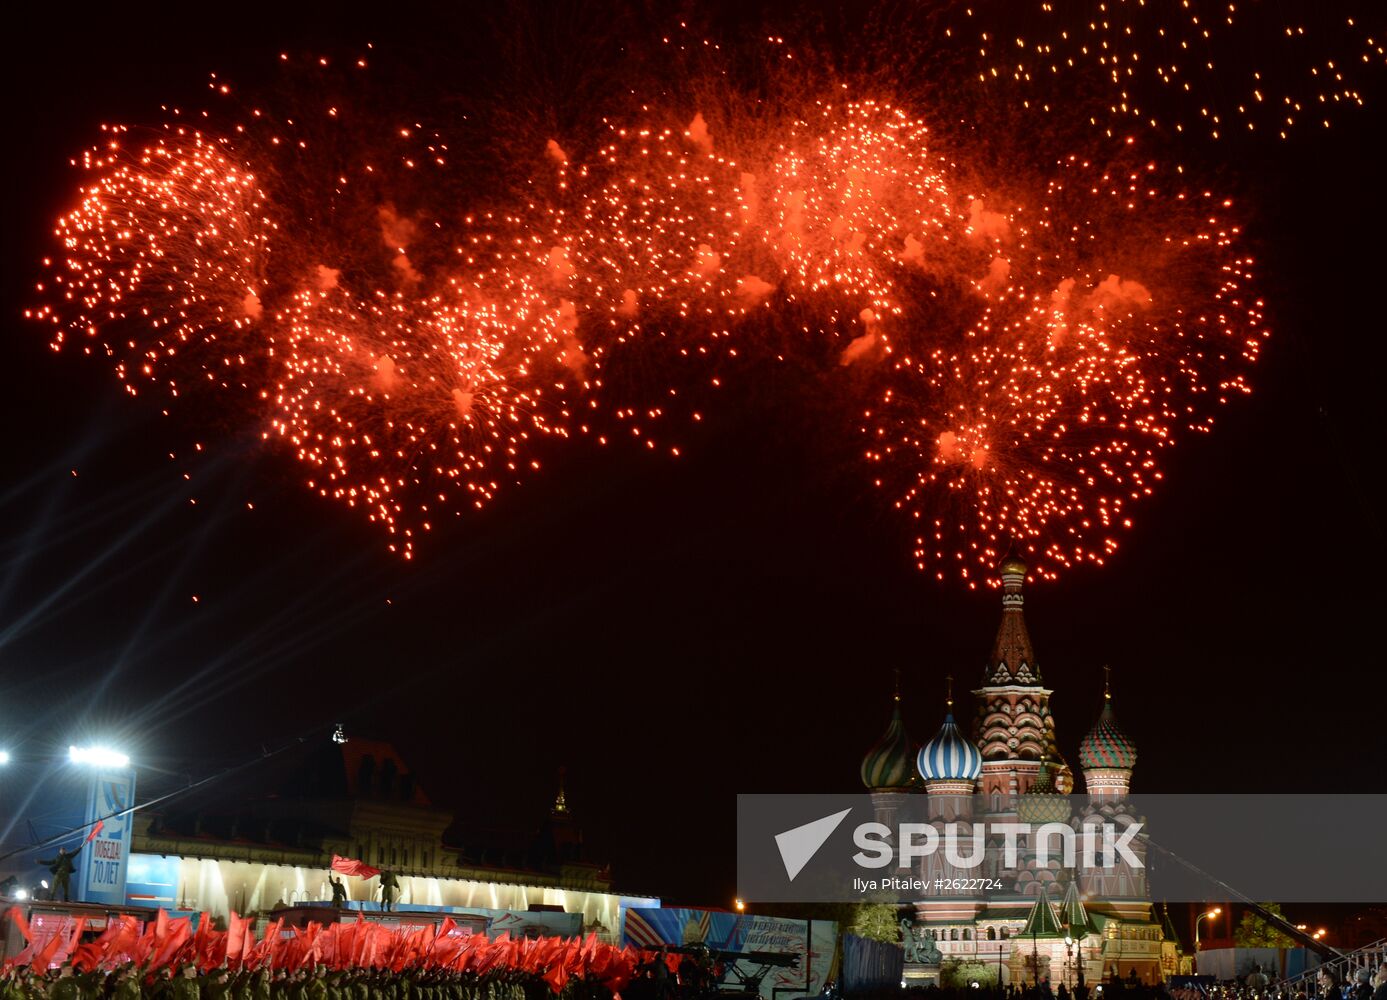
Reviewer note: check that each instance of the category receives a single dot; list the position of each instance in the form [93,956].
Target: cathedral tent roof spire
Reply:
[1073,916]
[1042,921]
[560,802]
[1012,660]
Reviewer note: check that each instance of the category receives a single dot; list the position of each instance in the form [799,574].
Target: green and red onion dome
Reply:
[890,762]
[1107,747]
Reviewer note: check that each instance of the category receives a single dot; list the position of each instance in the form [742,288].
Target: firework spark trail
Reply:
[1025,354]
[171,240]
[1216,69]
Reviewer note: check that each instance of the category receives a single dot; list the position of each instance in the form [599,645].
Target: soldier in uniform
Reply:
[389,889]
[65,987]
[61,866]
[339,891]
[186,987]
[316,986]
[160,986]
[127,984]
[216,985]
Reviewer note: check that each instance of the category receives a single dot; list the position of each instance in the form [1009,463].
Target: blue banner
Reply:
[104,861]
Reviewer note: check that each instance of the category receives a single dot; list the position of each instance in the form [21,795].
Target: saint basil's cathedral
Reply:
[1045,922]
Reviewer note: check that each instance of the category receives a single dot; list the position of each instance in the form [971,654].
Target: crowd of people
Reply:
[132,982]
[1257,985]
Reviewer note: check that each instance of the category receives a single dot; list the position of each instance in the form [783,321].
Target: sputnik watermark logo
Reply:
[1101,845]
[798,846]
[905,847]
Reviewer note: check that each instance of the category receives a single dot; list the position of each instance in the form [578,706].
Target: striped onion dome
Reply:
[1042,802]
[887,764]
[950,756]
[1107,747]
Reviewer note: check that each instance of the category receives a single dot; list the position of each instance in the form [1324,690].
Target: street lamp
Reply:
[1208,913]
[98,756]
[1068,954]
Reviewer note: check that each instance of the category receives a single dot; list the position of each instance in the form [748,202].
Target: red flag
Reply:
[95,830]
[122,945]
[86,957]
[179,934]
[351,866]
[235,938]
[556,977]
[47,953]
[201,942]
[17,915]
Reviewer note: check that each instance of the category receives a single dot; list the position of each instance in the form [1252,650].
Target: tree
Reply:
[956,974]
[878,921]
[1255,932]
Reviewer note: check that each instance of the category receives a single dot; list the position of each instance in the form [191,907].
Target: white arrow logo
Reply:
[799,845]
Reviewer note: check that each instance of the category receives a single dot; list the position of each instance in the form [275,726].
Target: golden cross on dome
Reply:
[949,690]
[1107,683]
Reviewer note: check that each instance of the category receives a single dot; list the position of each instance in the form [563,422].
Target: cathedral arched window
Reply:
[967,934]
[1006,933]
[992,934]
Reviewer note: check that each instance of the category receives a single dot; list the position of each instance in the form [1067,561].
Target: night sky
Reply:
[671,632]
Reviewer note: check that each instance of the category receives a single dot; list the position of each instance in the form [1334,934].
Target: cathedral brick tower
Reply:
[1013,726]
[888,770]
[1108,755]
[949,764]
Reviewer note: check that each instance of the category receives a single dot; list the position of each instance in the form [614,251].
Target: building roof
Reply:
[375,769]
[1013,659]
[949,756]
[890,761]
[1042,921]
[1107,746]
[1042,802]
[1073,916]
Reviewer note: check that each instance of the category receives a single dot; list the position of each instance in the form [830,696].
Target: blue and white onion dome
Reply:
[950,756]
